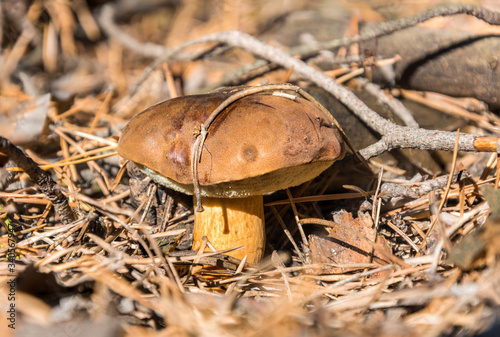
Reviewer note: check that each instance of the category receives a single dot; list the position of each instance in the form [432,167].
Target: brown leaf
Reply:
[343,247]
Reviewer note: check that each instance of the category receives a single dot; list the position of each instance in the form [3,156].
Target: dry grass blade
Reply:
[67,162]
[446,191]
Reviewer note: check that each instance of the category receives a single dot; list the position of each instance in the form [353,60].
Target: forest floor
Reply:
[399,238]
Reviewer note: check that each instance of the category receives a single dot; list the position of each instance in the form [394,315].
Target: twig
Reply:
[107,23]
[98,204]
[305,242]
[43,179]
[288,234]
[449,109]
[244,74]
[375,207]
[385,28]
[391,190]
[49,233]
[68,163]
[444,199]
[394,136]
[408,138]
[394,104]
[278,263]
[360,275]
[372,32]
[481,208]
[237,272]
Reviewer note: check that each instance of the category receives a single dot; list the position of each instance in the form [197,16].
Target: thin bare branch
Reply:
[394,136]
[43,179]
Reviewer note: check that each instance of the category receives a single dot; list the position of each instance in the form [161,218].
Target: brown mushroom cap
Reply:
[258,144]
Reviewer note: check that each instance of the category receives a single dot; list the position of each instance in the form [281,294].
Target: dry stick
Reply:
[40,223]
[394,136]
[378,30]
[489,167]
[57,241]
[107,23]
[106,20]
[67,162]
[449,109]
[72,168]
[350,75]
[119,176]
[151,191]
[49,233]
[360,275]
[297,269]
[166,263]
[54,256]
[324,197]
[98,204]
[21,195]
[375,209]
[278,263]
[88,153]
[285,209]
[461,190]
[385,28]
[481,208]
[167,210]
[87,136]
[246,73]
[104,182]
[393,103]
[287,75]
[297,220]
[102,110]
[172,90]
[377,206]
[379,289]
[404,138]
[355,188]
[186,256]
[469,189]
[43,179]
[237,272]
[197,261]
[288,234]
[416,190]
[445,196]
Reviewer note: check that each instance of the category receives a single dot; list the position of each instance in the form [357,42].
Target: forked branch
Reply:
[393,136]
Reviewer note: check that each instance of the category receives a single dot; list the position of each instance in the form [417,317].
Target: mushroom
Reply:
[258,140]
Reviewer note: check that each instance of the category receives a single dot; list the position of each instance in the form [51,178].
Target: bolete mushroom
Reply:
[231,147]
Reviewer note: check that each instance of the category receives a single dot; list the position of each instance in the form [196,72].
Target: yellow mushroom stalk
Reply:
[232,222]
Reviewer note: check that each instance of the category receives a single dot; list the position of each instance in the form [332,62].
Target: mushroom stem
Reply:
[229,223]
